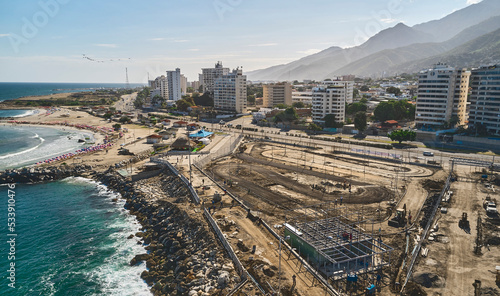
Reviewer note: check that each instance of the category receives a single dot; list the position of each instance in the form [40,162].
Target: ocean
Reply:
[71,240]
[71,235]
[14,90]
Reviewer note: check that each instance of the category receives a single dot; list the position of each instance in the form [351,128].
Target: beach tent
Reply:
[205,141]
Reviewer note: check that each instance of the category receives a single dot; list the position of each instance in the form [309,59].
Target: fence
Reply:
[223,151]
[316,275]
[426,230]
[196,198]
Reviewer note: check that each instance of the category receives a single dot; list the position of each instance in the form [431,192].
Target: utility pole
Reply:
[189,144]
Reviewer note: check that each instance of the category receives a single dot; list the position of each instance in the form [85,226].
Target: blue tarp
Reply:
[200,134]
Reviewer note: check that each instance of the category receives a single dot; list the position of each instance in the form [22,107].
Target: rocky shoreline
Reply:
[183,256]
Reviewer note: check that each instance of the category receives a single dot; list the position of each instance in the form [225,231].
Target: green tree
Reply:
[124,119]
[356,107]
[393,90]
[183,104]
[355,93]
[117,126]
[331,121]
[360,121]
[298,105]
[108,115]
[314,127]
[157,100]
[281,106]
[384,111]
[364,88]
[402,135]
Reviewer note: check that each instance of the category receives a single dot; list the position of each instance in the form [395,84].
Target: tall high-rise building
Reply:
[277,93]
[441,96]
[174,85]
[329,98]
[349,87]
[210,75]
[184,84]
[230,92]
[484,100]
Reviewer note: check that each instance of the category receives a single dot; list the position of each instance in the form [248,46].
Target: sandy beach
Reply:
[101,158]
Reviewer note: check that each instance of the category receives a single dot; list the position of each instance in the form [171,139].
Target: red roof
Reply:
[391,121]
[193,124]
[181,122]
[155,136]
[166,120]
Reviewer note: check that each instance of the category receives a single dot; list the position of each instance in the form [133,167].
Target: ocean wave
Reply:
[27,113]
[27,150]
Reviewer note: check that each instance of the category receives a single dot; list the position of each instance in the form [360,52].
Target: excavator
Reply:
[399,220]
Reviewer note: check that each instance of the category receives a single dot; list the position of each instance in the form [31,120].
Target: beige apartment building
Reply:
[277,93]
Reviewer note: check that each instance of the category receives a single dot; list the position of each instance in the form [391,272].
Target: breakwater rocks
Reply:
[41,174]
[183,256]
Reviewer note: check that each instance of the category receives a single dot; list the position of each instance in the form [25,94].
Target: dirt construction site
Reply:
[368,225]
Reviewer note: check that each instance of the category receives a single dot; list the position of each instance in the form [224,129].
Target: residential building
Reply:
[230,92]
[277,93]
[329,99]
[210,75]
[484,100]
[159,85]
[302,96]
[174,85]
[348,85]
[184,84]
[441,96]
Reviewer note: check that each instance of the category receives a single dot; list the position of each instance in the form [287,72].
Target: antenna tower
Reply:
[127,84]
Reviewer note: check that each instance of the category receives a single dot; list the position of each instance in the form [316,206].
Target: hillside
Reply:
[392,47]
[388,61]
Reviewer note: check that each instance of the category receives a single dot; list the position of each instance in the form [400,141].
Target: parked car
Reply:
[491,208]
[428,153]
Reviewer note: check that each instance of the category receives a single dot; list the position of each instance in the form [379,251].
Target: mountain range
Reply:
[465,38]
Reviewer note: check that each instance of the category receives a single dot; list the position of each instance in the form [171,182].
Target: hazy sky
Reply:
[45,40]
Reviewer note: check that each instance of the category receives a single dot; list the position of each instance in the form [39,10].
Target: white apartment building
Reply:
[302,96]
[442,94]
[174,85]
[230,92]
[485,98]
[184,84]
[277,93]
[347,84]
[329,99]
[160,84]
[211,74]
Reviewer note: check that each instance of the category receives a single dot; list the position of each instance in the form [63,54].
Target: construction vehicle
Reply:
[464,223]
[399,220]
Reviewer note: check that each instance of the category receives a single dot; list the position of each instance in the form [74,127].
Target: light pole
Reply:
[279,266]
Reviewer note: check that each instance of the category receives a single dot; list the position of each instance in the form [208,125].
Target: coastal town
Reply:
[296,201]
[364,170]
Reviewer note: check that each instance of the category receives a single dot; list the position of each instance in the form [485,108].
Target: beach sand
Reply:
[101,158]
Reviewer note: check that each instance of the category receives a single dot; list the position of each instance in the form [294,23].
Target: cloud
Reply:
[264,44]
[4,35]
[157,39]
[110,45]
[388,20]
[469,2]
[181,40]
[309,51]
[194,49]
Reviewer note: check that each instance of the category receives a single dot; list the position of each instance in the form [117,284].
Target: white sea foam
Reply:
[27,150]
